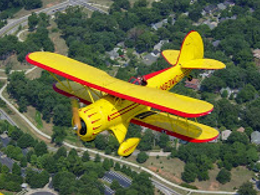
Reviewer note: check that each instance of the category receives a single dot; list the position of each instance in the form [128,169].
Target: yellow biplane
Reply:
[112,104]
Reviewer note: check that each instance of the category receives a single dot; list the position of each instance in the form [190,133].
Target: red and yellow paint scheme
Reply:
[113,103]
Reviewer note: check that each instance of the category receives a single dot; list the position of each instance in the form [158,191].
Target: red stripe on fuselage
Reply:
[122,109]
[120,114]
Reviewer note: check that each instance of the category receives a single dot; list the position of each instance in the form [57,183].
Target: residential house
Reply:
[5,139]
[113,54]
[241,129]
[159,45]
[221,6]
[229,3]
[210,24]
[149,59]
[229,91]
[227,18]
[255,137]
[206,73]
[156,53]
[193,84]
[4,160]
[225,134]
[210,9]
[256,53]
[160,24]
[216,43]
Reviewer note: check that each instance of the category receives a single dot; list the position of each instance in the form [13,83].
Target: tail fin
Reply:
[191,54]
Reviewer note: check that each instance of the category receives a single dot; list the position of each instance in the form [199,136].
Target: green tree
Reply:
[33,21]
[40,148]
[195,14]
[61,152]
[85,157]
[246,94]
[100,142]
[39,180]
[142,157]
[142,183]
[115,185]
[106,164]
[4,169]
[146,141]
[97,158]
[117,166]
[23,161]
[212,84]
[16,169]
[163,140]
[247,189]
[190,172]
[26,141]
[58,135]
[224,94]
[32,4]
[223,176]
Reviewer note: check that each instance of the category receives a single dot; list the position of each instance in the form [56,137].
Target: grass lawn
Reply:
[13,62]
[239,175]
[7,193]
[107,3]
[59,43]
[170,169]
[36,73]
[38,119]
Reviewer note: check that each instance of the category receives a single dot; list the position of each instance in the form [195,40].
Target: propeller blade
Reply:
[75,114]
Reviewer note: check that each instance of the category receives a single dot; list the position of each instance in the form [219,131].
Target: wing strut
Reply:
[168,115]
[90,95]
[56,78]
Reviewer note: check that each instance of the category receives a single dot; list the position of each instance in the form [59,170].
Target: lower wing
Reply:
[176,126]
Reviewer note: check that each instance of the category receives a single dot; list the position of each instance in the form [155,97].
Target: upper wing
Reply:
[100,80]
[175,126]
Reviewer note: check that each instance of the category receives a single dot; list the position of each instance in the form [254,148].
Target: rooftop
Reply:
[255,137]
[225,134]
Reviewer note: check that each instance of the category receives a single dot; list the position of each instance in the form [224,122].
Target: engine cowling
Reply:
[105,114]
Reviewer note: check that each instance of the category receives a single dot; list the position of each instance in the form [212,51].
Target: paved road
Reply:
[5,116]
[13,24]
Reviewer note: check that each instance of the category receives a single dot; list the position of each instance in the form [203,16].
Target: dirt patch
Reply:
[165,174]
[49,5]
[214,186]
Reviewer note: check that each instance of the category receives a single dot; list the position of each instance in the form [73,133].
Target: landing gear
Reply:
[128,146]
[189,77]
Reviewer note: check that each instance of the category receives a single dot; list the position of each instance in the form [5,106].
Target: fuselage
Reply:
[167,78]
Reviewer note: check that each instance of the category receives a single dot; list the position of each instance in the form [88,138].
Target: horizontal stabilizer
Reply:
[203,64]
[171,56]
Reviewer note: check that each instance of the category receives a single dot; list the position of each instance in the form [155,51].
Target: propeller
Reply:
[75,113]
[78,124]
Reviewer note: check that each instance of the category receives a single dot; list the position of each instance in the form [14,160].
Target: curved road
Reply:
[24,19]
